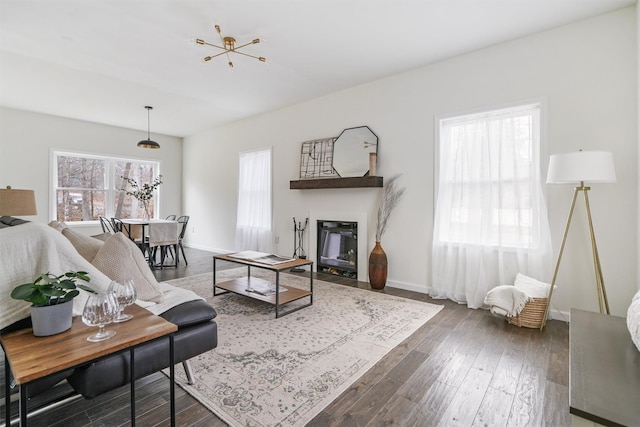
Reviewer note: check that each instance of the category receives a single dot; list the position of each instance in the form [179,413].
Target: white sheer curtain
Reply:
[253,224]
[491,217]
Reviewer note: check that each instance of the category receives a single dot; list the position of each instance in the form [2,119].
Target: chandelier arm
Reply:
[230,63]
[246,54]
[246,44]
[218,54]
[220,35]
[214,45]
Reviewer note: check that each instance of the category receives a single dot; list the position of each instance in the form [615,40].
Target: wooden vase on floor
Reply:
[378,267]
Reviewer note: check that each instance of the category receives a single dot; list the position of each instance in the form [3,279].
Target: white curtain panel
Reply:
[253,224]
[491,218]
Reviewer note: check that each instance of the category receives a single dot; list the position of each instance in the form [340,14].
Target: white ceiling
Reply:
[103,61]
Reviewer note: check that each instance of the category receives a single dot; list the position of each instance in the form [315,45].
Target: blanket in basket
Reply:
[508,300]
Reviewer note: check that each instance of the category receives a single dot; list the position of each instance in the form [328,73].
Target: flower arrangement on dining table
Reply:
[143,192]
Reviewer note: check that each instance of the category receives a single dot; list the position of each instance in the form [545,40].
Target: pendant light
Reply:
[148,143]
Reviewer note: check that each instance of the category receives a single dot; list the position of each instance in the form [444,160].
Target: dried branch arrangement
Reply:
[390,197]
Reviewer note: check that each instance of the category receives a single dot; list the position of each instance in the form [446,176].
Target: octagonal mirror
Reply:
[351,151]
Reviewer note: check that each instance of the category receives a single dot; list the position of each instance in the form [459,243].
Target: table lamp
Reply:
[577,168]
[17,202]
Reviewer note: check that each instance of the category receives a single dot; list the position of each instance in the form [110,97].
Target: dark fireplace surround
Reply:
[337,248]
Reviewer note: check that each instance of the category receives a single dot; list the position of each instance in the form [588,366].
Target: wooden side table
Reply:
[29,357]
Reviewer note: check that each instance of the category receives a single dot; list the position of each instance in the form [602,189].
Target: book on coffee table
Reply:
[261,257]
[265,289]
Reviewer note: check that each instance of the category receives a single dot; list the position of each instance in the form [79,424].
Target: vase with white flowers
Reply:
[143,192]
[378,258]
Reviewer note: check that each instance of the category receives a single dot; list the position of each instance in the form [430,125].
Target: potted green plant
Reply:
[52,297]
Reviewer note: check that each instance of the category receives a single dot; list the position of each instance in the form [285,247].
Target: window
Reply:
[86,187]
[253,224]
[488,171]
[490,217]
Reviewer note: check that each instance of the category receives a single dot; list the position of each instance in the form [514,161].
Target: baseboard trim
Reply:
[554,313]
[207,248]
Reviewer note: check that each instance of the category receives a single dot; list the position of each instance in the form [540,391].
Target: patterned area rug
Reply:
[268,371]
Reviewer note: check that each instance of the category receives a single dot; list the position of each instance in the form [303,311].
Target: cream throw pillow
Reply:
[86,246]
[59,226]
[532,287]
[121,259]
[102,236]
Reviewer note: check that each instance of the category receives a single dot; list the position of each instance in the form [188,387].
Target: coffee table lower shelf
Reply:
[239,286]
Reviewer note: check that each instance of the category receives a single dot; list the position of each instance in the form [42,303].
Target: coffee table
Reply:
[246,285]
[29,357]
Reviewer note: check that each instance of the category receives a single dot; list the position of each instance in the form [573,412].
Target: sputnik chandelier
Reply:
[229,46]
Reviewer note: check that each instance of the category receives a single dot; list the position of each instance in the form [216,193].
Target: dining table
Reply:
[153,233]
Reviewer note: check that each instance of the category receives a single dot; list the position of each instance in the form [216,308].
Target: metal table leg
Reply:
[133,387]
[22,390]
[7,392]
[172,390]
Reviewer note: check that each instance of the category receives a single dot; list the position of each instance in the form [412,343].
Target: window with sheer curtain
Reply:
[253,224]
[491,218]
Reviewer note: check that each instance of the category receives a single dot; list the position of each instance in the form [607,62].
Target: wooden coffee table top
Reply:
[34,357]
[273,267]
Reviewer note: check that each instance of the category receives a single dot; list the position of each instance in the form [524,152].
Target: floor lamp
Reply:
[577,168]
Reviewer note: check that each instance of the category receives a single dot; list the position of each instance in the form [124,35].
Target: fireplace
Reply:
[338,248]
[361,232]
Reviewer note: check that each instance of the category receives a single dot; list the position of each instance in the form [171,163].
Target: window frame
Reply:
[110,188]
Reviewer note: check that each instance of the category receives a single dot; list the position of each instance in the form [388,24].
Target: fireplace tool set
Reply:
[298,241]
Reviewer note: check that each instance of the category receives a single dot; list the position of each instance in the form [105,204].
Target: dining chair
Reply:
[107,226]
[183,220]
[171,217]
[118,226]
[163,237]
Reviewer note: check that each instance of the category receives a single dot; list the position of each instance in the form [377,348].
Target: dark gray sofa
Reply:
[197,333]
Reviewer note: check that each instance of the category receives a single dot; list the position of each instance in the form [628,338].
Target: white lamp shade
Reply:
[581,166]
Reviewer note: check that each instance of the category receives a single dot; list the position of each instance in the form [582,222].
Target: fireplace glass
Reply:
[338,248]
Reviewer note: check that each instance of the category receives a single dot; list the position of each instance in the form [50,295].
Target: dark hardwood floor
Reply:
[463,368]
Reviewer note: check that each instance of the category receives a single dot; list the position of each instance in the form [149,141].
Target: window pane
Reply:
[130,207]
[143,173]
[79,172]
[80,205]
[487,172]
[254,190]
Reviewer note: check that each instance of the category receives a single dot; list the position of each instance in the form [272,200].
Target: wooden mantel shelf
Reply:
[358,182]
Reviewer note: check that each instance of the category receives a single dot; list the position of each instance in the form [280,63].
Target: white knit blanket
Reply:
[509,300]
[172,297]
[30,249]
[506,300]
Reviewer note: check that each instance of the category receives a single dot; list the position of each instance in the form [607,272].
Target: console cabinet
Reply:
[604,371]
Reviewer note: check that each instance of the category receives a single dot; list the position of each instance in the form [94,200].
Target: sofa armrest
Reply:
[190,313]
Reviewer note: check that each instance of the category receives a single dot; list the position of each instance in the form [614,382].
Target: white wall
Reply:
[586,73]
[638,121]
[26,140]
